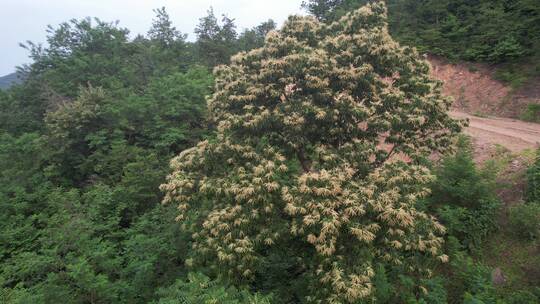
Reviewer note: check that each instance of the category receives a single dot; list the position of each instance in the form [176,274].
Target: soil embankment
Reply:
[476,91]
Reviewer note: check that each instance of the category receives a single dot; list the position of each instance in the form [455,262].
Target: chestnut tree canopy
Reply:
[316,160]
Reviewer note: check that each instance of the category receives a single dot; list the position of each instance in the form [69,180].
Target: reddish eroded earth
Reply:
[483,100]
[476,91]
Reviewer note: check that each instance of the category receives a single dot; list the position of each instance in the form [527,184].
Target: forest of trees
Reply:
[505,33]
[269,165]
[477,30]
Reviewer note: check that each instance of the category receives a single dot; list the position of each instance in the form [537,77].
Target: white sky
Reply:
[22,20]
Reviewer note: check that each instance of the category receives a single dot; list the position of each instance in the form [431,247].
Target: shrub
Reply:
[531,113]
[525,220]
[460,183]
[383,289]
[533,180]
[464,196]
[200,289]
[522,297]
[470,226]
[471,281]
[435,291]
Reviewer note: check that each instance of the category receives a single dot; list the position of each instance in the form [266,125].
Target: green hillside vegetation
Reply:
[153,169]
[502,32]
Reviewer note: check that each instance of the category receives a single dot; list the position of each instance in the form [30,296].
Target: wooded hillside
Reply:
[311,163]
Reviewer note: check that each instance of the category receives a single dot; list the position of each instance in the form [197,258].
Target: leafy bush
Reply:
[200,289]
[460,183]
[533,180]
[470,226]
[383,288]
[525,220]
[522,297]
[471,281]
[531,113]
[464,196]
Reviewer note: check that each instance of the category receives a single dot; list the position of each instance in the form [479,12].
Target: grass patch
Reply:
[518,259]
[480,114]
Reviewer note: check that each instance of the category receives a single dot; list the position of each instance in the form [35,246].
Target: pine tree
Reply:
[163,31]
[215,42]
[319,137]
[254,37]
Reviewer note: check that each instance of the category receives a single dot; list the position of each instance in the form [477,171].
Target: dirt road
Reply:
[513,134]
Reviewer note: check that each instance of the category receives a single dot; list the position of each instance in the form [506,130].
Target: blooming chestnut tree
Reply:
[317,149]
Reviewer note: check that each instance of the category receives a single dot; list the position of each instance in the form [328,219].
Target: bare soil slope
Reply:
[476,91]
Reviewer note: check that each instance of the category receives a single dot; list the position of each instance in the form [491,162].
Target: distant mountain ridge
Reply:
[9,80]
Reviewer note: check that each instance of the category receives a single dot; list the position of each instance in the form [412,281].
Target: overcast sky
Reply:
[22,20]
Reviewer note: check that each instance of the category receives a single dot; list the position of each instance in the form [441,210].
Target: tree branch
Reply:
[304,162]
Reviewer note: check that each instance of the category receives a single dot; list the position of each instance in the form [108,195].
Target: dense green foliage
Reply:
[84,144]
[525,218]
[531,113]
[200,289]
[479,30]
[464,196]
[86,140]
[533,180]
